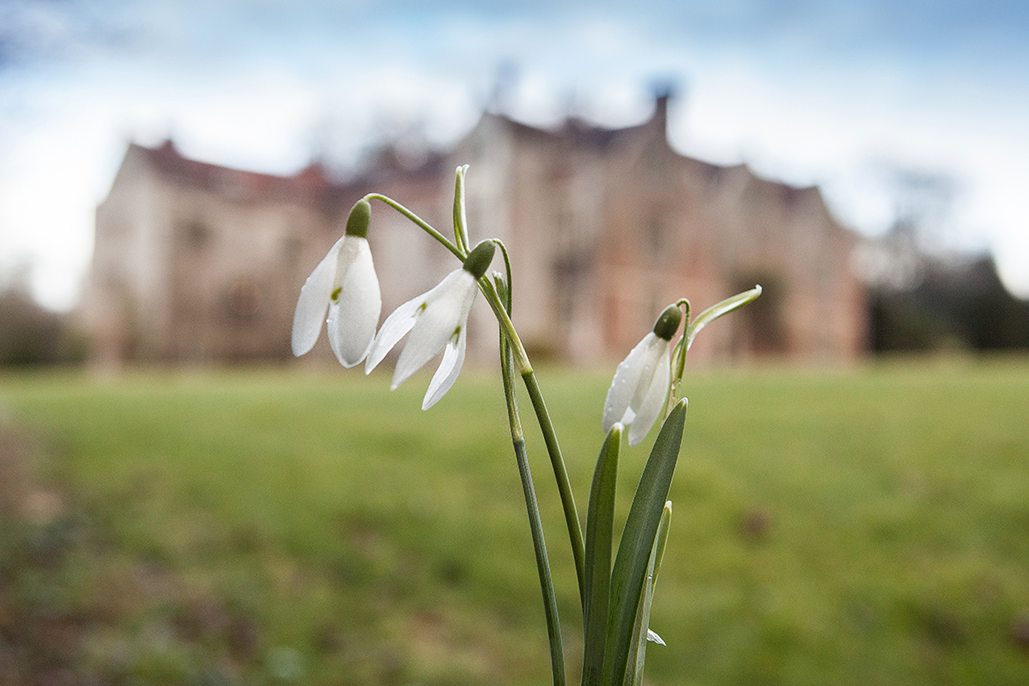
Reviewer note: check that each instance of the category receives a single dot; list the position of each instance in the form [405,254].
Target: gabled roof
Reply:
[577,133]
[573,131]
[311,184]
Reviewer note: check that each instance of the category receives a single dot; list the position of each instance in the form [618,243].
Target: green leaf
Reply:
[638,650]
[637,544]
[597,558]
[715,311]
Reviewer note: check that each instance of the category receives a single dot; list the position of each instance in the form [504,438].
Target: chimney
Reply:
[662,94]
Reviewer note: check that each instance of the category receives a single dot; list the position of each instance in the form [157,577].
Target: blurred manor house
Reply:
[198,263]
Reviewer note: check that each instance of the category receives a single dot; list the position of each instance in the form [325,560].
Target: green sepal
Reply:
[597,557]
[637,544]
[668,323]
[478,259]
[359,219]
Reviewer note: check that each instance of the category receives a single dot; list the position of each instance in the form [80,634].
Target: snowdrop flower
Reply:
[642,380]
[345,286]
[435,319]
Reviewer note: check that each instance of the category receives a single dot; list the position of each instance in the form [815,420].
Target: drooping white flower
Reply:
[435,320]
[343,286]
[641,382]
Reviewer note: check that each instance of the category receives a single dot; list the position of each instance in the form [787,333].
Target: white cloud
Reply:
[833,134]
[260,107]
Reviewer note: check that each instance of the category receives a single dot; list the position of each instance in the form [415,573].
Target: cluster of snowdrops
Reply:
[616,594]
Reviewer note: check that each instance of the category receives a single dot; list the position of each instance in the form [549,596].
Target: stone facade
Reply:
[198,263]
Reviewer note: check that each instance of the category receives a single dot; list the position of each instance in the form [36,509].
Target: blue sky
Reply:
[836,93]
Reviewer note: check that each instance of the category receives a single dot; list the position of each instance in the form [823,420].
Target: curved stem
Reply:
[507,268]
[678,359]
[421,223]
[496,303]
[460,214]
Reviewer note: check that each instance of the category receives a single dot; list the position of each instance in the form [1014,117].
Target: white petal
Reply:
[449,368]
[625,382]
[352,328]
[446,309]
[649,364]
[392,330]
[653,637]
[332,326]
[653,400]
[314,302]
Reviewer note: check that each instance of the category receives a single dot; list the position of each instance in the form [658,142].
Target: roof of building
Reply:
[311,184]
[314,185]
[578,132]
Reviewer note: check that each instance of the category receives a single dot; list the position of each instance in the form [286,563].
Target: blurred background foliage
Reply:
[30,334]
[955,303]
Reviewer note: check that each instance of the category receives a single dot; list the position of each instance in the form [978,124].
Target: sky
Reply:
[850,95]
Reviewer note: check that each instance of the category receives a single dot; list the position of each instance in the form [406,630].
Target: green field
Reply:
[860,527]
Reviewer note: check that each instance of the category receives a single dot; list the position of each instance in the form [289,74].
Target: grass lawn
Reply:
[861,527]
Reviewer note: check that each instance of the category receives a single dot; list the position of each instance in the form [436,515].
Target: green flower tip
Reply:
[359,219]
[668,323]
[479,258]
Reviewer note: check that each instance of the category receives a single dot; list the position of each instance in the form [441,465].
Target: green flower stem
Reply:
[564,486]
[496,303]
[507,268]
[539,545]
[678,359]
[422,224]
[460,215]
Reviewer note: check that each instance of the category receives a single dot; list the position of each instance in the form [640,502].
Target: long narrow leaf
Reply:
[637,543]
[597,558]
[638,651]
[715,311]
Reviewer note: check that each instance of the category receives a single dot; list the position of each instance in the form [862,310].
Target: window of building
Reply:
[244,299]
[760,326]
[196,235]
[656,233]
[291,248]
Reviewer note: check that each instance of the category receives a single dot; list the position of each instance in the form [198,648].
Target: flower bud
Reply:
[359,219]
[479,258]
[668,323]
